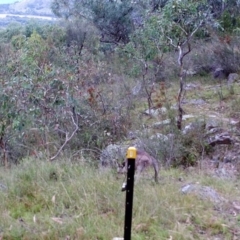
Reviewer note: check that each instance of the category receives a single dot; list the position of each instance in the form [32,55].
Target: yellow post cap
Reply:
[131,153]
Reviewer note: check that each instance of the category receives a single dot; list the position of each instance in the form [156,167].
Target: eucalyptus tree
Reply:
[172,26]
[179,22]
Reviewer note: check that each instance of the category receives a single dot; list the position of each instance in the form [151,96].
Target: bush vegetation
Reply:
[64,88]
[70,89]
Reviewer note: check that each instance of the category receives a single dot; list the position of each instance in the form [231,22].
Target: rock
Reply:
[136,89]
[222,138]
[112,154]
[168,121]
[203,192]
[194,127]
[3,187]
[156,112]
[219,73]
[187,116]
[232,77]
[195,102]
[189,72]
[159,136]
[116,153]
[212,123]
[161,124]
[191,86]
[187,188]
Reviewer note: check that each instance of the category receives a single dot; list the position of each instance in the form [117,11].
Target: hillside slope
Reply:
[30,7]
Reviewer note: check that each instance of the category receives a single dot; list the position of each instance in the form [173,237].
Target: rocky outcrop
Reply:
[203,192]
[221,138]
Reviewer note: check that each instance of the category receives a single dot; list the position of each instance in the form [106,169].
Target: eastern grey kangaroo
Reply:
[143,161]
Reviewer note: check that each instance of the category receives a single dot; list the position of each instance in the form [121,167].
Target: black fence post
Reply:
[131,157]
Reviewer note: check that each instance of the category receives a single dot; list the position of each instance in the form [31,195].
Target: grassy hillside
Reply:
[75,200]
[67,200]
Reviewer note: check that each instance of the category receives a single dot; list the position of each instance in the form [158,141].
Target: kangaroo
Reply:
[143,160]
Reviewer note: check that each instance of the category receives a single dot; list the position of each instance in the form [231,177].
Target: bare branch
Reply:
[192,33]
[195,30]
[182,29]
[67,139]
[171,42]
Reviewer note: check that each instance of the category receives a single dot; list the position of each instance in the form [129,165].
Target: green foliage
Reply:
[219,7]
[180,19]
[11,125]
[34,53]
[12,30]
[46,80]
[192,146]
[229,22]
[111,18]
[58,77]
[18,41]
[175,25]
[145,41]
[35,26]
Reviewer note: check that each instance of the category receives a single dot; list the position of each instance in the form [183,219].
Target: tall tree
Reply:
[113,19]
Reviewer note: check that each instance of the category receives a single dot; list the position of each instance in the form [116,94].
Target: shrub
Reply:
[223,53]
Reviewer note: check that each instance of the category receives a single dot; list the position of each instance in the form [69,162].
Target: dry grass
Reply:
[74,201]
